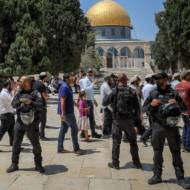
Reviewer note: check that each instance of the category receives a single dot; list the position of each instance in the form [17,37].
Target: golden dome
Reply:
[108,13]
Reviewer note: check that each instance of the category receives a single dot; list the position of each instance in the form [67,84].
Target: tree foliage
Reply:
[90,58]
[37,35]
[172,46]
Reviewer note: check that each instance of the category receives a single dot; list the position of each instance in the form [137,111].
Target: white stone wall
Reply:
[122,61]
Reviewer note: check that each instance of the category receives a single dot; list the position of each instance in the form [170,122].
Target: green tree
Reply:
[20,26]
[90,58]
[66,28]
[19,57]
[172,41]
[55,32]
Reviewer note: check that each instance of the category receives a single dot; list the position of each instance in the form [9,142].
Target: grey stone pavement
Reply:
[87,172]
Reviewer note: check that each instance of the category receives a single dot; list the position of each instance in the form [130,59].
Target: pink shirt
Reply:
[82,108]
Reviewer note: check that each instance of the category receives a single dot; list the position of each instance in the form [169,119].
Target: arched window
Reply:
[125,52]
[113,51]
[100,51]
[138,53]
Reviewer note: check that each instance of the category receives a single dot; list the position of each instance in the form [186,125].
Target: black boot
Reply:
[12,168]
[114,166]
[184,184]
[155,180]
[138,165]
[40,169]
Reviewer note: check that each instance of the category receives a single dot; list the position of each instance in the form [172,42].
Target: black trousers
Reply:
[7,125]
[32,132]
[43,120]
[107,127]
[159,134]
[91,116]
[127,126]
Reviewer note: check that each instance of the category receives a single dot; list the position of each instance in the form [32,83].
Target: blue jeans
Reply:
[70,122]
[186,131]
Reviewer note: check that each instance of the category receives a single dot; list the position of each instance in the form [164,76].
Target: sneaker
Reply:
[40,169]
[79,152]
[12,168]
[184,184]
[63,151]
[96,135]
[114,166]
[155,180]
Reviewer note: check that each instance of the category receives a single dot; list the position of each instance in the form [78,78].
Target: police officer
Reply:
[27,104]
[155,104]
[125,107]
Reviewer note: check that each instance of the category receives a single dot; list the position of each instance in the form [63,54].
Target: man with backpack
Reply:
[125,106]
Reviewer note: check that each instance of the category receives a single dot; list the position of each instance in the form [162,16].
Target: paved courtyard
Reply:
[87,172]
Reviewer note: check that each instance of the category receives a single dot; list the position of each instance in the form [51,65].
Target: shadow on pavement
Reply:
[26,150]
[50,169]
[146,166]
[89,151]
[174,180]
[52,139]
[91,140]
[26,144]
[5,151]
[52,127]
[55,169]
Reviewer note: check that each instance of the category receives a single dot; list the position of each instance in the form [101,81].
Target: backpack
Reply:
[124,101]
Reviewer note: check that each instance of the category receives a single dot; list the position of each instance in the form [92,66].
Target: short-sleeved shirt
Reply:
[88,87]
[66,91]
[41,88]
[5,102]
[183,88]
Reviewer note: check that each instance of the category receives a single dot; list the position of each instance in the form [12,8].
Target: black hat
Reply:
[160,76]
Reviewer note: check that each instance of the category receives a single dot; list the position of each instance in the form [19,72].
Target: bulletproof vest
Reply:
[27,112]
[167,114]
[124,101]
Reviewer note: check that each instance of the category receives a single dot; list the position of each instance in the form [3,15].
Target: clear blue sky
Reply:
[142,14]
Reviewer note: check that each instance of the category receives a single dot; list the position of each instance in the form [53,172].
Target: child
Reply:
[83,111]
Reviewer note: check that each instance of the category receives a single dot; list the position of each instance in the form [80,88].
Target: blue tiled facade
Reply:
[112,33]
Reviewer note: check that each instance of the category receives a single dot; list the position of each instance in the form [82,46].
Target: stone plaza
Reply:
[87,172]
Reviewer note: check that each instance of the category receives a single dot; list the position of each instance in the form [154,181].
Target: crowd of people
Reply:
[124,103]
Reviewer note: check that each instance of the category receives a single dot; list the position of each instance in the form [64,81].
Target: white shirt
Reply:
[81,84]
[88,87]
[174,84]
[105,90]
[5,102]
[147,89]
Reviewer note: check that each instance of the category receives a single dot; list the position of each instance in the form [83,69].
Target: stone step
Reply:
[142,72]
